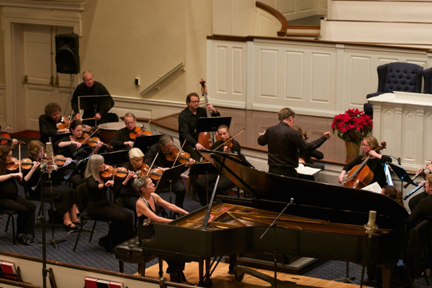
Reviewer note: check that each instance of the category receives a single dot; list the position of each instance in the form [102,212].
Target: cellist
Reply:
[376,162]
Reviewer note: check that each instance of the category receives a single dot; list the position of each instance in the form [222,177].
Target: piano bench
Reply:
[131,251]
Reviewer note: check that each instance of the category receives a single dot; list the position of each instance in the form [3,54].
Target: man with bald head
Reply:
[90,87]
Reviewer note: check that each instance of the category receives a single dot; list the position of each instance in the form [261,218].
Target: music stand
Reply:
[204,168]
[210,124]
[116,157]
[169,177]
[145,142]
[95,103]
[402,175]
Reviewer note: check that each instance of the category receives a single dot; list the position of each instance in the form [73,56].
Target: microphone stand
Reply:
[274,225]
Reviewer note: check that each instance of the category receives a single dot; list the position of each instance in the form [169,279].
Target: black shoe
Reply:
[22,239]
[69,227]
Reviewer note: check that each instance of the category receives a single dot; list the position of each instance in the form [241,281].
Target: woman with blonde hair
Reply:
[376,162]
[99,207]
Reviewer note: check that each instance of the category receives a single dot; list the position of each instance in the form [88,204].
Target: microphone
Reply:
[49,165]
[371,227]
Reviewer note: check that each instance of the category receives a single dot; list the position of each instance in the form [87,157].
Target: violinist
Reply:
[11,200]
[232,146]
[284,144]
[48,122]
[412,203]
[188,122]
[122,139]
[161,150]
[135,164]
[64,196]
[121,228]
[375,163]
[76,145]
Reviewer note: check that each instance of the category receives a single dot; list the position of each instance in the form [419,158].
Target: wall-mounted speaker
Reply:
[67,53]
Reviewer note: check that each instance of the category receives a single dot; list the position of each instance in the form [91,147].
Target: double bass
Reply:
[360,175]
[206,139]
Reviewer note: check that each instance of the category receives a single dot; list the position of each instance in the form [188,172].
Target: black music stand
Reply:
[169,177]
[116,158]
[145,142]
[95,103]
[206,169]
[402,175]
[210,124]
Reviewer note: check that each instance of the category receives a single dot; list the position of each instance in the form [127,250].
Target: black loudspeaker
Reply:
[67,53]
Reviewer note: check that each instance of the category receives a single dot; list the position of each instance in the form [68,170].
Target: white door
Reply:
[42,84]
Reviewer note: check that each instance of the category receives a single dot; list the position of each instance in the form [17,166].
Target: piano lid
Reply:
[310,195]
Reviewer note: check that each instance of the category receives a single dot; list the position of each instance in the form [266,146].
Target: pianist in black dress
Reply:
[375,163]
[148,207]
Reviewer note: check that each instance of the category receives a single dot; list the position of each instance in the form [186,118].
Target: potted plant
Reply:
[352,126]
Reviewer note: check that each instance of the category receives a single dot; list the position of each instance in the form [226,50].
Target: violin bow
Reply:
[154,160]
[144,126]
[178,154]
[85,140]
[229,139]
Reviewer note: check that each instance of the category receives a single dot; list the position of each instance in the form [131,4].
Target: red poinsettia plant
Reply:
[353,125]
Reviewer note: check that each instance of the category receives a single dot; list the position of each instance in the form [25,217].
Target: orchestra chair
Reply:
[11,217]
[82,201]
[427,77]
[48,200]
[418,255]
[396,76]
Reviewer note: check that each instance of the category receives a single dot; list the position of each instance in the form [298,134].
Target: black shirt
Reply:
[284,144]
[375,165]
[119,138]
[96,89]
[188,123]
[47,128]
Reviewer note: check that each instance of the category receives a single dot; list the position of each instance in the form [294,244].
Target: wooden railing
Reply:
[277,14]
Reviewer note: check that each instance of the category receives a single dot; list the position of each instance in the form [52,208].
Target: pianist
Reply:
[148,207]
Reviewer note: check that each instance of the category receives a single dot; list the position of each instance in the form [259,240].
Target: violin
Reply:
[360,175]
[107,173]
[137,132]
[182,157]
[63,123]
[26,164]
[122,172]
[155,173]
[5,138]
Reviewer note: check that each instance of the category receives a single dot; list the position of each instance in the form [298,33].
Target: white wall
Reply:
[313,78]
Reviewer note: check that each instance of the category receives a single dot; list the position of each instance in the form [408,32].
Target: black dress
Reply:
[10,200]
[101,209]
[145,226]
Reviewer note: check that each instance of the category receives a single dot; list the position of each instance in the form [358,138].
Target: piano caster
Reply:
[238,275]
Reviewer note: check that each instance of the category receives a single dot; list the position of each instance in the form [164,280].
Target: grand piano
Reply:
[324,221]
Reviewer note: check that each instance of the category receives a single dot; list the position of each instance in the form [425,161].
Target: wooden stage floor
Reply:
[221,279]
[257,121]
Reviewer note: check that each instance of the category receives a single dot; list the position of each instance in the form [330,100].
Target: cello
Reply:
[206,139]
[360,175]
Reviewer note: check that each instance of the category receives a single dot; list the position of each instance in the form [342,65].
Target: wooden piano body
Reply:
[324,221]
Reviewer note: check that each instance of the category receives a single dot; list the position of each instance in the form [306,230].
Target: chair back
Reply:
[427,76]
[82,196]
[400,76]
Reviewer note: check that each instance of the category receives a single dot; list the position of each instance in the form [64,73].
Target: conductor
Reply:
[284,143]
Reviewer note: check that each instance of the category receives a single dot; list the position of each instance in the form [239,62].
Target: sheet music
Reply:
[305,170]
[374,187]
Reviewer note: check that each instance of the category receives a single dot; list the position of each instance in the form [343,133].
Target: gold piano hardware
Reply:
[226,216]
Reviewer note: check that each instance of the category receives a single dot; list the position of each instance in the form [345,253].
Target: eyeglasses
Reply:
[195,101]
